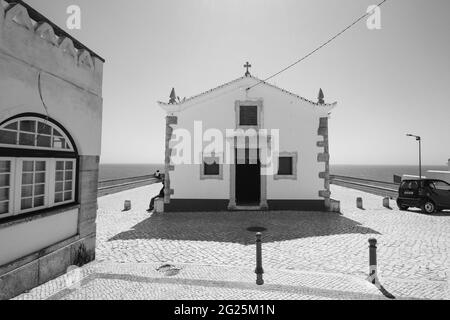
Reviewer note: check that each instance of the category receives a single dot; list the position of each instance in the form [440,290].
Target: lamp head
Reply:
[412,135]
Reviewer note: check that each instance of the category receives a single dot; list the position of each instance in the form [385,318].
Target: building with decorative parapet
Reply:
[50,141]
[236,177]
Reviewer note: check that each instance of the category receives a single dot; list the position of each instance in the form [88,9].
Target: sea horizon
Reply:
[381,172]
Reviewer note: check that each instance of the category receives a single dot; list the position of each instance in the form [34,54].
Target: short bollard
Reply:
[359,203]
[386,203]
[259,269]
[373,278]
[127,205]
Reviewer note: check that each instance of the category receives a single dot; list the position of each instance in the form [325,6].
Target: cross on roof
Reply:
[247,65]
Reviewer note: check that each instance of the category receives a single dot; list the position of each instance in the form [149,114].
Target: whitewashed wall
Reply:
[71,88]
[76,102]
[23,239]
[298,121]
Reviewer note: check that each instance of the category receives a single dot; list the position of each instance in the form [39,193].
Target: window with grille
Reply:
[33,184]
[64,181]
[32,179]
[33,133]
[6,178]
[248,115]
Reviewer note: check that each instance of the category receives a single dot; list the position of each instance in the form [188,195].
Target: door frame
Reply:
[263,190]
[259,103]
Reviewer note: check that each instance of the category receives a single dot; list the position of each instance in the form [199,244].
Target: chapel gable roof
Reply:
[192,99]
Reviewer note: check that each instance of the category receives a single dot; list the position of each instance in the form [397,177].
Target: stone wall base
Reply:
[205,205]
[43,268]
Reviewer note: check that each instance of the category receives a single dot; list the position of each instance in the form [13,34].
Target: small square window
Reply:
[248,116]
[285,166]
[211,169]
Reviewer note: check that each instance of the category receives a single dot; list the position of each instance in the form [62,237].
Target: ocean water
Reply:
[386,172]
[118,171]
[374,172]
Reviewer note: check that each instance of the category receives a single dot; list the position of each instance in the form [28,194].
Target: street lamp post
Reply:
[418,138]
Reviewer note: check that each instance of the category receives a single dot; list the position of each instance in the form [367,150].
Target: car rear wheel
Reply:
[429,207]
[402,206]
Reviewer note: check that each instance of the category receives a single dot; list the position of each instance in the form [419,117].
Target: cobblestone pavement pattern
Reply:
[137,281]
[413,248]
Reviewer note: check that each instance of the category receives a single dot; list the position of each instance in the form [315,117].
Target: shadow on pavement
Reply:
[231,226]
[293,289]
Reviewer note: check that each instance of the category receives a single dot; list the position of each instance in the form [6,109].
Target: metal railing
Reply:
[111,186]
[380,188]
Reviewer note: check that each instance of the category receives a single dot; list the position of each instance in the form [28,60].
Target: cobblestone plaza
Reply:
[305,255]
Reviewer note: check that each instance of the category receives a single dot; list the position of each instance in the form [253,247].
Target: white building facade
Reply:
[50,139]
[296,127]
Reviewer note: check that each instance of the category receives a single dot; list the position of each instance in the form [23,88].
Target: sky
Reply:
[387,82]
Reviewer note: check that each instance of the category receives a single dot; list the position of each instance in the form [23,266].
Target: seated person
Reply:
[152,201]
[157,174]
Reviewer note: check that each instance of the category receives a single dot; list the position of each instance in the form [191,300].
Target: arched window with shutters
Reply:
[38,165]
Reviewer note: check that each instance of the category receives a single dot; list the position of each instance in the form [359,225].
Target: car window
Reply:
[431,185]
[413,185]
[440,185]
[404,185]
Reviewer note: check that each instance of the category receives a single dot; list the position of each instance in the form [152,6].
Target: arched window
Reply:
[32,133]
[38,163]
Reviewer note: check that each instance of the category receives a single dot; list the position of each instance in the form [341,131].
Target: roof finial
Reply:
[247,66]
[173,97]
[321,97]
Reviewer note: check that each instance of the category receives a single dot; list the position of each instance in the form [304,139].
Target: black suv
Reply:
[428,194]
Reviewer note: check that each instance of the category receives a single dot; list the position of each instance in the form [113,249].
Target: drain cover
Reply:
[256,229]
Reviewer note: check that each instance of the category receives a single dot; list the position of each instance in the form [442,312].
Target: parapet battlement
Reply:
[28,36]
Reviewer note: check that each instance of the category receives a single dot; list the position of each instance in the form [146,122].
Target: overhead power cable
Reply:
[319,47]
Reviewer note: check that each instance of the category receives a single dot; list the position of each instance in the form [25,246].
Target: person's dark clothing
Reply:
[152,201]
